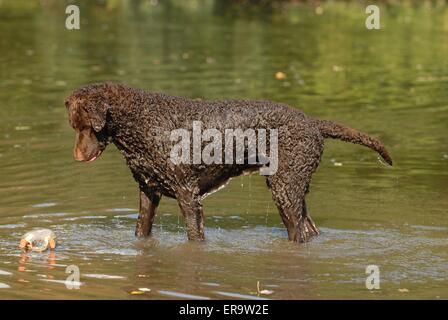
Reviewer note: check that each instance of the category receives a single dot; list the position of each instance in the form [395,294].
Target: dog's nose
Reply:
[78,155]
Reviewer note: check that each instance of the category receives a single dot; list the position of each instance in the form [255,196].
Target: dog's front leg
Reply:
[149,202]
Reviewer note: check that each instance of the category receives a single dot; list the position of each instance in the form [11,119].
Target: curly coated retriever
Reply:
[139,124]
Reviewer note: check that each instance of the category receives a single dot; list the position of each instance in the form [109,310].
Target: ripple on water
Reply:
[182,295]
[102,276]
[64,282]
[429,228]
[5,273]
[45,215]
[12,226]
[120,210]
[211,284]
[84,217]
[239,295]
[127,216]
[44,205]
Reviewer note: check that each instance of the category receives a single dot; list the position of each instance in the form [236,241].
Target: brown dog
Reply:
[139,124]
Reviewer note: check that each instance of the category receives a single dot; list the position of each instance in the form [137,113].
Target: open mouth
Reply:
[97,154]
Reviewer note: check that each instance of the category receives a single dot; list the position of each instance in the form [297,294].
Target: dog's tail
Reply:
[330,129]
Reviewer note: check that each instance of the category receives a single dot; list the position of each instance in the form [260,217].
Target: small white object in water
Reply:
[265,292]
[38,240]
[337,164]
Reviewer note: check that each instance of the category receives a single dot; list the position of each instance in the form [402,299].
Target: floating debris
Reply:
[264,292]
[319,10]
[136,292]
[38,240]
[144,289]
[403,290]
[337,164]
[209,60]
[280,75]
[4,286]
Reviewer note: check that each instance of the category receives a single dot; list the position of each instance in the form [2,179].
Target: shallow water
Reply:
[391,83]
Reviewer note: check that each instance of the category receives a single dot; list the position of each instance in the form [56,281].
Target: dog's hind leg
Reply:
[288,194]
[308,223]
[191,208]
[290,184]
[309,227]
[149,202]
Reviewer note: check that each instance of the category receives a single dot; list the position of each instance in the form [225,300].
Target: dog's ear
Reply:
[97,113]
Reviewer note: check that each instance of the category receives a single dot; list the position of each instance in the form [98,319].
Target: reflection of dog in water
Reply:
[51,260]
[139,124]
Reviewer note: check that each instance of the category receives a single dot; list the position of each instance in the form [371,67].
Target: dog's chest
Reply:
[148,172]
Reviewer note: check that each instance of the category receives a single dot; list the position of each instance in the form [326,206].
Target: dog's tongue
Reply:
[95,156]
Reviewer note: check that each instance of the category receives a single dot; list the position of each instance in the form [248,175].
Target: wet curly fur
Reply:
[139,124]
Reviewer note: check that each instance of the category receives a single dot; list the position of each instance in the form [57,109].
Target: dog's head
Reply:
[87,112]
